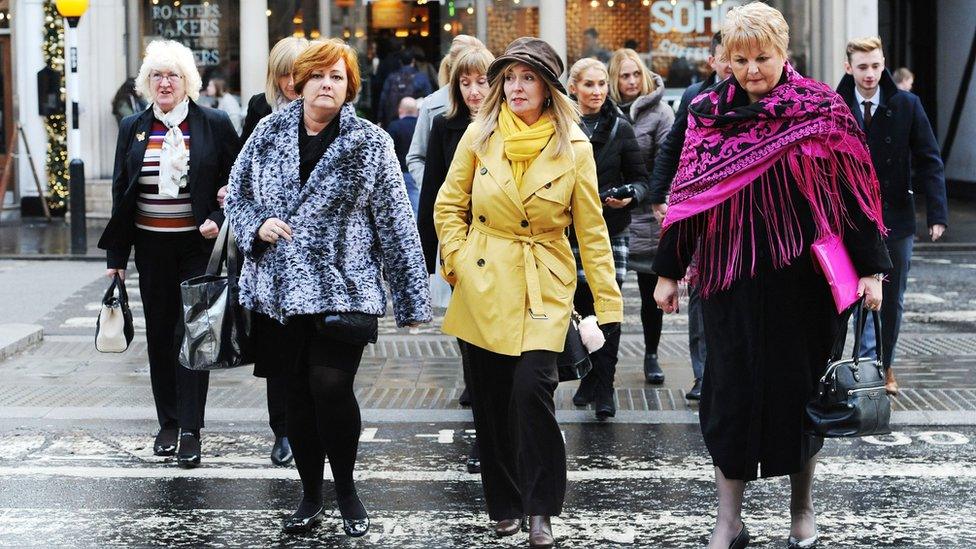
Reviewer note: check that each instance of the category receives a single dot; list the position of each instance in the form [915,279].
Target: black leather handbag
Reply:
[352,328]
[851,400]
[574,362]
[217,329]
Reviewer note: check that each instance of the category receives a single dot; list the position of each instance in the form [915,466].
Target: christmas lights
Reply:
[56,124]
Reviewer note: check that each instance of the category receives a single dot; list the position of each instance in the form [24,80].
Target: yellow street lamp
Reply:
[72,10]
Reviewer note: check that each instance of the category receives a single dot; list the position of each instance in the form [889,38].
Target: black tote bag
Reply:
[851,400]
[217,329]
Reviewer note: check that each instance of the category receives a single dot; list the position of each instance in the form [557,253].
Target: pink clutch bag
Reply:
[835,263]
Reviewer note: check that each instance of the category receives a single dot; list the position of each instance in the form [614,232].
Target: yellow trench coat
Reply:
[504,248]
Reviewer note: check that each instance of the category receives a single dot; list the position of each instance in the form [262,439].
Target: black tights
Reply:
[652,318]
[324,421]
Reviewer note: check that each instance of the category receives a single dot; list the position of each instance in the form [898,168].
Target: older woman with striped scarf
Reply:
[771,163]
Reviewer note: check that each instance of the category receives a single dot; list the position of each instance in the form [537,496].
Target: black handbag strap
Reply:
[859,323]
[613,133]
[225,243]
[117,283]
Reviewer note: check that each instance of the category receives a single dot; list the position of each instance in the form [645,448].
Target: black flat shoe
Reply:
[301,523]
[653,373]
[695,392]
[358,526]
[741,540]
[465,398]
[808,543]
[474,465]
[165,443]
[508,527]
[281,452]
[188,455]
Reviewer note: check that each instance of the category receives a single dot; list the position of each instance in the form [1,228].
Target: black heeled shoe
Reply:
[809,543]
[653,373]
[188,456]
[465,398]
[695,392]
[300,523]
[281,452]
[741,540]
[354,527]
[605,406]
[473,465]
[165,443]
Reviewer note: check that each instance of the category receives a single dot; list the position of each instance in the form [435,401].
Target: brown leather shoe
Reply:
[507,527]
[891,384]
[540,531]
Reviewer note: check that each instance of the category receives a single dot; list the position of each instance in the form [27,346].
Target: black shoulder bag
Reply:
[851,400]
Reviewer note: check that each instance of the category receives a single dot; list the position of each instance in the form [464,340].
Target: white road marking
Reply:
[922,299]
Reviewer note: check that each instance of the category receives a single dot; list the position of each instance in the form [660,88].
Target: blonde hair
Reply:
[172,56]
[613,72]
[583,65]
[864,45]
[280,63]
[459,45]
[755,25]
[475,60]
[565,114]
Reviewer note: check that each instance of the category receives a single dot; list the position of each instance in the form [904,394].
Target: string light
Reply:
[55,125]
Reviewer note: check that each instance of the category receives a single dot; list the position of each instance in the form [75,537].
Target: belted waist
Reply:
[532,250]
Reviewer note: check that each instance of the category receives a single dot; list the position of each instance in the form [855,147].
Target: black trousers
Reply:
[523,456]
[278,405]
[276,350]
[652,318]
[164,260]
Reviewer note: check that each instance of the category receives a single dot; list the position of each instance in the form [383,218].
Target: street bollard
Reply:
[76,198]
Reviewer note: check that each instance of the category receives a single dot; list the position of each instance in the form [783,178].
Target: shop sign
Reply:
[684,28]
[197,26]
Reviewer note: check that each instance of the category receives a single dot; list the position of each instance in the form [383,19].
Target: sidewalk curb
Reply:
[14,338]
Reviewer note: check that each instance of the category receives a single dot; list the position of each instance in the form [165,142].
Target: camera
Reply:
[619,193]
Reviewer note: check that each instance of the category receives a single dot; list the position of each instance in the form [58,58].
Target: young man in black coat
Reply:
[665,168]
[906,156]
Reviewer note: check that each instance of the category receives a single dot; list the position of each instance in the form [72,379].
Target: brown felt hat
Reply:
[534,52]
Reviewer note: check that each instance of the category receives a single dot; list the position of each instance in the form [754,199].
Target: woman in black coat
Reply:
[272,343]
[468,87]
[619,165]
[169,162]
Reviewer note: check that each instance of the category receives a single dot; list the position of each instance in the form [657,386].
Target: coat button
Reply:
[548,185]
[525,223]
[481,218]
[484,171]
[888,161]
[481,262]
[887,139]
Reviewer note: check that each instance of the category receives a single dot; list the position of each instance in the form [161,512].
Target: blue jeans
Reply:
[892,301]
[413,192]
[696,333]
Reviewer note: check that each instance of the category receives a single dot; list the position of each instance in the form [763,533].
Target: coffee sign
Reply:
[197,26]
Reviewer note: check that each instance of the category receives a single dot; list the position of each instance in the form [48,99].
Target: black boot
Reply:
[695,392]
[586,391]
[165,443]
[653,373]
[604,402]
[281,452]
[474,458]
[465,398]
[188,455]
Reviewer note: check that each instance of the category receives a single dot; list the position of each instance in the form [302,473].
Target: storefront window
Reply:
[293,18]
[210,28]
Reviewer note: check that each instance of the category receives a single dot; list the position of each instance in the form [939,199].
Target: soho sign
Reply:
[686,16]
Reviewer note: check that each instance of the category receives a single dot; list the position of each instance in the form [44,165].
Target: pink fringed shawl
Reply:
[737,160]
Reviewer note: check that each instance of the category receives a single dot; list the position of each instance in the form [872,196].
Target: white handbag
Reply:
[114,330]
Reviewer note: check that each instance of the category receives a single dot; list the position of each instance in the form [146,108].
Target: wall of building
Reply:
[957,21]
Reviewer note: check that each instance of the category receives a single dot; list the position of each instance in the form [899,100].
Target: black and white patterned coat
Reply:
[351,224]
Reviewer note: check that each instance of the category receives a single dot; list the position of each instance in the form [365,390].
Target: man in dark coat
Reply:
[401,130]
[665,168]
[906,156]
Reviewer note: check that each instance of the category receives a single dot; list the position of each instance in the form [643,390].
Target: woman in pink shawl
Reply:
[772,162]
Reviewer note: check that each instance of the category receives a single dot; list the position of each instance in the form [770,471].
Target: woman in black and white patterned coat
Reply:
[320,211]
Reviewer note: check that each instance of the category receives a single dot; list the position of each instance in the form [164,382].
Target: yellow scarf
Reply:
[523,143]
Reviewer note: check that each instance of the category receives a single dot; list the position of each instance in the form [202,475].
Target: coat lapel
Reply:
[137,151]
[199,135]
[499,170]
[549,166]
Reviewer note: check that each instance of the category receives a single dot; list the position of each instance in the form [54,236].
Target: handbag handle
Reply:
[117,282]
[214,266]
[859,323]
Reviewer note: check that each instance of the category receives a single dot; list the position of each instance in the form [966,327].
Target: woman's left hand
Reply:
[209,229]
[870,288]
[617,204]
[221,195]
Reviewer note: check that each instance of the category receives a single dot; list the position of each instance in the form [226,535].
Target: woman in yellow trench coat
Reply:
[523,174]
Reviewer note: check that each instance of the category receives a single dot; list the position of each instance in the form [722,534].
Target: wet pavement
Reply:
[630,485]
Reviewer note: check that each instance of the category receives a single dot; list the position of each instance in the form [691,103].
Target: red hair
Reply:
[322,55]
